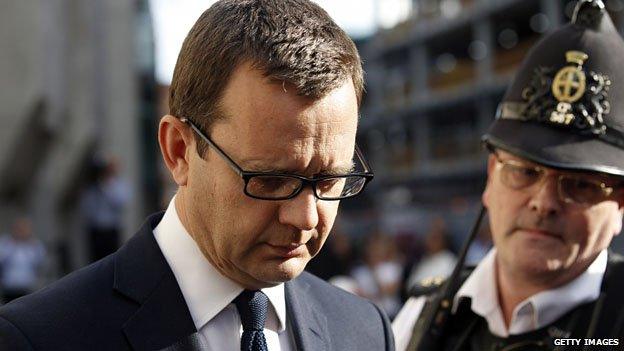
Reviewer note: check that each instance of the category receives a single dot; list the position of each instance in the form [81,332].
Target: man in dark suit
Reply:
[261,142]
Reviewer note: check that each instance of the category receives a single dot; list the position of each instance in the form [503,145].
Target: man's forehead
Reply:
[285,165]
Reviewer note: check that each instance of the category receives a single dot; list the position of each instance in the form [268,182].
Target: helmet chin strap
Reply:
[432,329]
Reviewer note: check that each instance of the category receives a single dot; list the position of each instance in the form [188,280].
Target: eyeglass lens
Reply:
[276,187]
[572,188]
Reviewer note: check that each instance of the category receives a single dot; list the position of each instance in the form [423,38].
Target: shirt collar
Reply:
[536,311]
[480,288]
[586,287]
[205,290]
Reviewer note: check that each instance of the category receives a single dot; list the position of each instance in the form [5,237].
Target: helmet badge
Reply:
[568,86]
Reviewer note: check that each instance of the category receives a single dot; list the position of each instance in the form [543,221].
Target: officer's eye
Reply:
[582,191]
[519,176]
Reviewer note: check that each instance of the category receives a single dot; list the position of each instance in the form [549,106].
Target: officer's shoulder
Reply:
[615,266]
[615,258]
[432,285]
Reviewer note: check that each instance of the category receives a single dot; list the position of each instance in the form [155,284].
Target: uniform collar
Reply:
[205,290]
[536,311]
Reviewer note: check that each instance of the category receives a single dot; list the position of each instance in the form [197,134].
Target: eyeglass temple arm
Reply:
[227,158]
[239,170]
[360,156]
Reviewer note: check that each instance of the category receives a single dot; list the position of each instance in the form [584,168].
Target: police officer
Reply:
[555,198]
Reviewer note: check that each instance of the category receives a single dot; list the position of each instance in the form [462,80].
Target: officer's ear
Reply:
[176,142]
[490,173]
[619,196]
[491,164]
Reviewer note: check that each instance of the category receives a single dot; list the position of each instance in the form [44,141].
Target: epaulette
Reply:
[426,286]
[430,285]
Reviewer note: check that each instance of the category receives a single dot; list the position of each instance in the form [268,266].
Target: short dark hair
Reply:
[293,41]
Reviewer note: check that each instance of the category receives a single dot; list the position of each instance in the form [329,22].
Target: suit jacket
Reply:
[130,300]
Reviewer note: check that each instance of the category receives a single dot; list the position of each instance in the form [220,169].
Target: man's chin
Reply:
[541,268]
[533,262]
[280,272]
[291,268]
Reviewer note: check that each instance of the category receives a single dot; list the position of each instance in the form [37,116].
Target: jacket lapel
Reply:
[143,275]
[193,342]
[309,327]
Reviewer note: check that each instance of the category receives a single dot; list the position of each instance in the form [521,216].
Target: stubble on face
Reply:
[537,247]
[548,249]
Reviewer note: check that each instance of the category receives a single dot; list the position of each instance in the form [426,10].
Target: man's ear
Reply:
[176,143]
[619,197]
[491,164]
[490,172]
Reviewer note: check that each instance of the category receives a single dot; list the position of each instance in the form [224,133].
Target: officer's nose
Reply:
[545,199]
[301,211]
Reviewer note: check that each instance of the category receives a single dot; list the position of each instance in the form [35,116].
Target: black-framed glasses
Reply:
[571,188]
[284,186]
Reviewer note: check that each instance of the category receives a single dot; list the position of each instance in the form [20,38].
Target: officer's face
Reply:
[540,236]
[260,243]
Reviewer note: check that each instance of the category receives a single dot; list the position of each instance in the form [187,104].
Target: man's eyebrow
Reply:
[345,169]
[510,157]
[265,167]
[258,166]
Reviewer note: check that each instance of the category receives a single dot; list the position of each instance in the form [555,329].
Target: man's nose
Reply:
[301,211]
[545,199]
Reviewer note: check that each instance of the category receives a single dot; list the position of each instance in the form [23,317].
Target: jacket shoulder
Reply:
[68,293]
[12,338]
[59,315]
[354,320]
[333,297]
[86,292]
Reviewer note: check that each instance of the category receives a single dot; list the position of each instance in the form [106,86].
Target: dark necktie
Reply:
[252,307]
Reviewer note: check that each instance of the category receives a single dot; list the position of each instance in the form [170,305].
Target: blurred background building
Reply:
[78,92]
[433,85]
[84,86]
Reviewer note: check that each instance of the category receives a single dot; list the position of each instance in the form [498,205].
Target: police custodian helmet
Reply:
[565,107]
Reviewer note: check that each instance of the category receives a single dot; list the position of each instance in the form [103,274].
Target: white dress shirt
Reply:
[531,314]
[209,294]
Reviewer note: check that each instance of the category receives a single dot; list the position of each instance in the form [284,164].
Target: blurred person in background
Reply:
[479,247]
[555,200]
[21,261]
[379,277]
[438,261]
[412,249]
[335,259]
[260,140]
[102,207]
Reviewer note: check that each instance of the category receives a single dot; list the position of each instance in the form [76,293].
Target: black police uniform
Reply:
[564,110]
[601,322]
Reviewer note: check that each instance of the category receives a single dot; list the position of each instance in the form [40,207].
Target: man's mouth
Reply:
[539,232]
[289,250]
